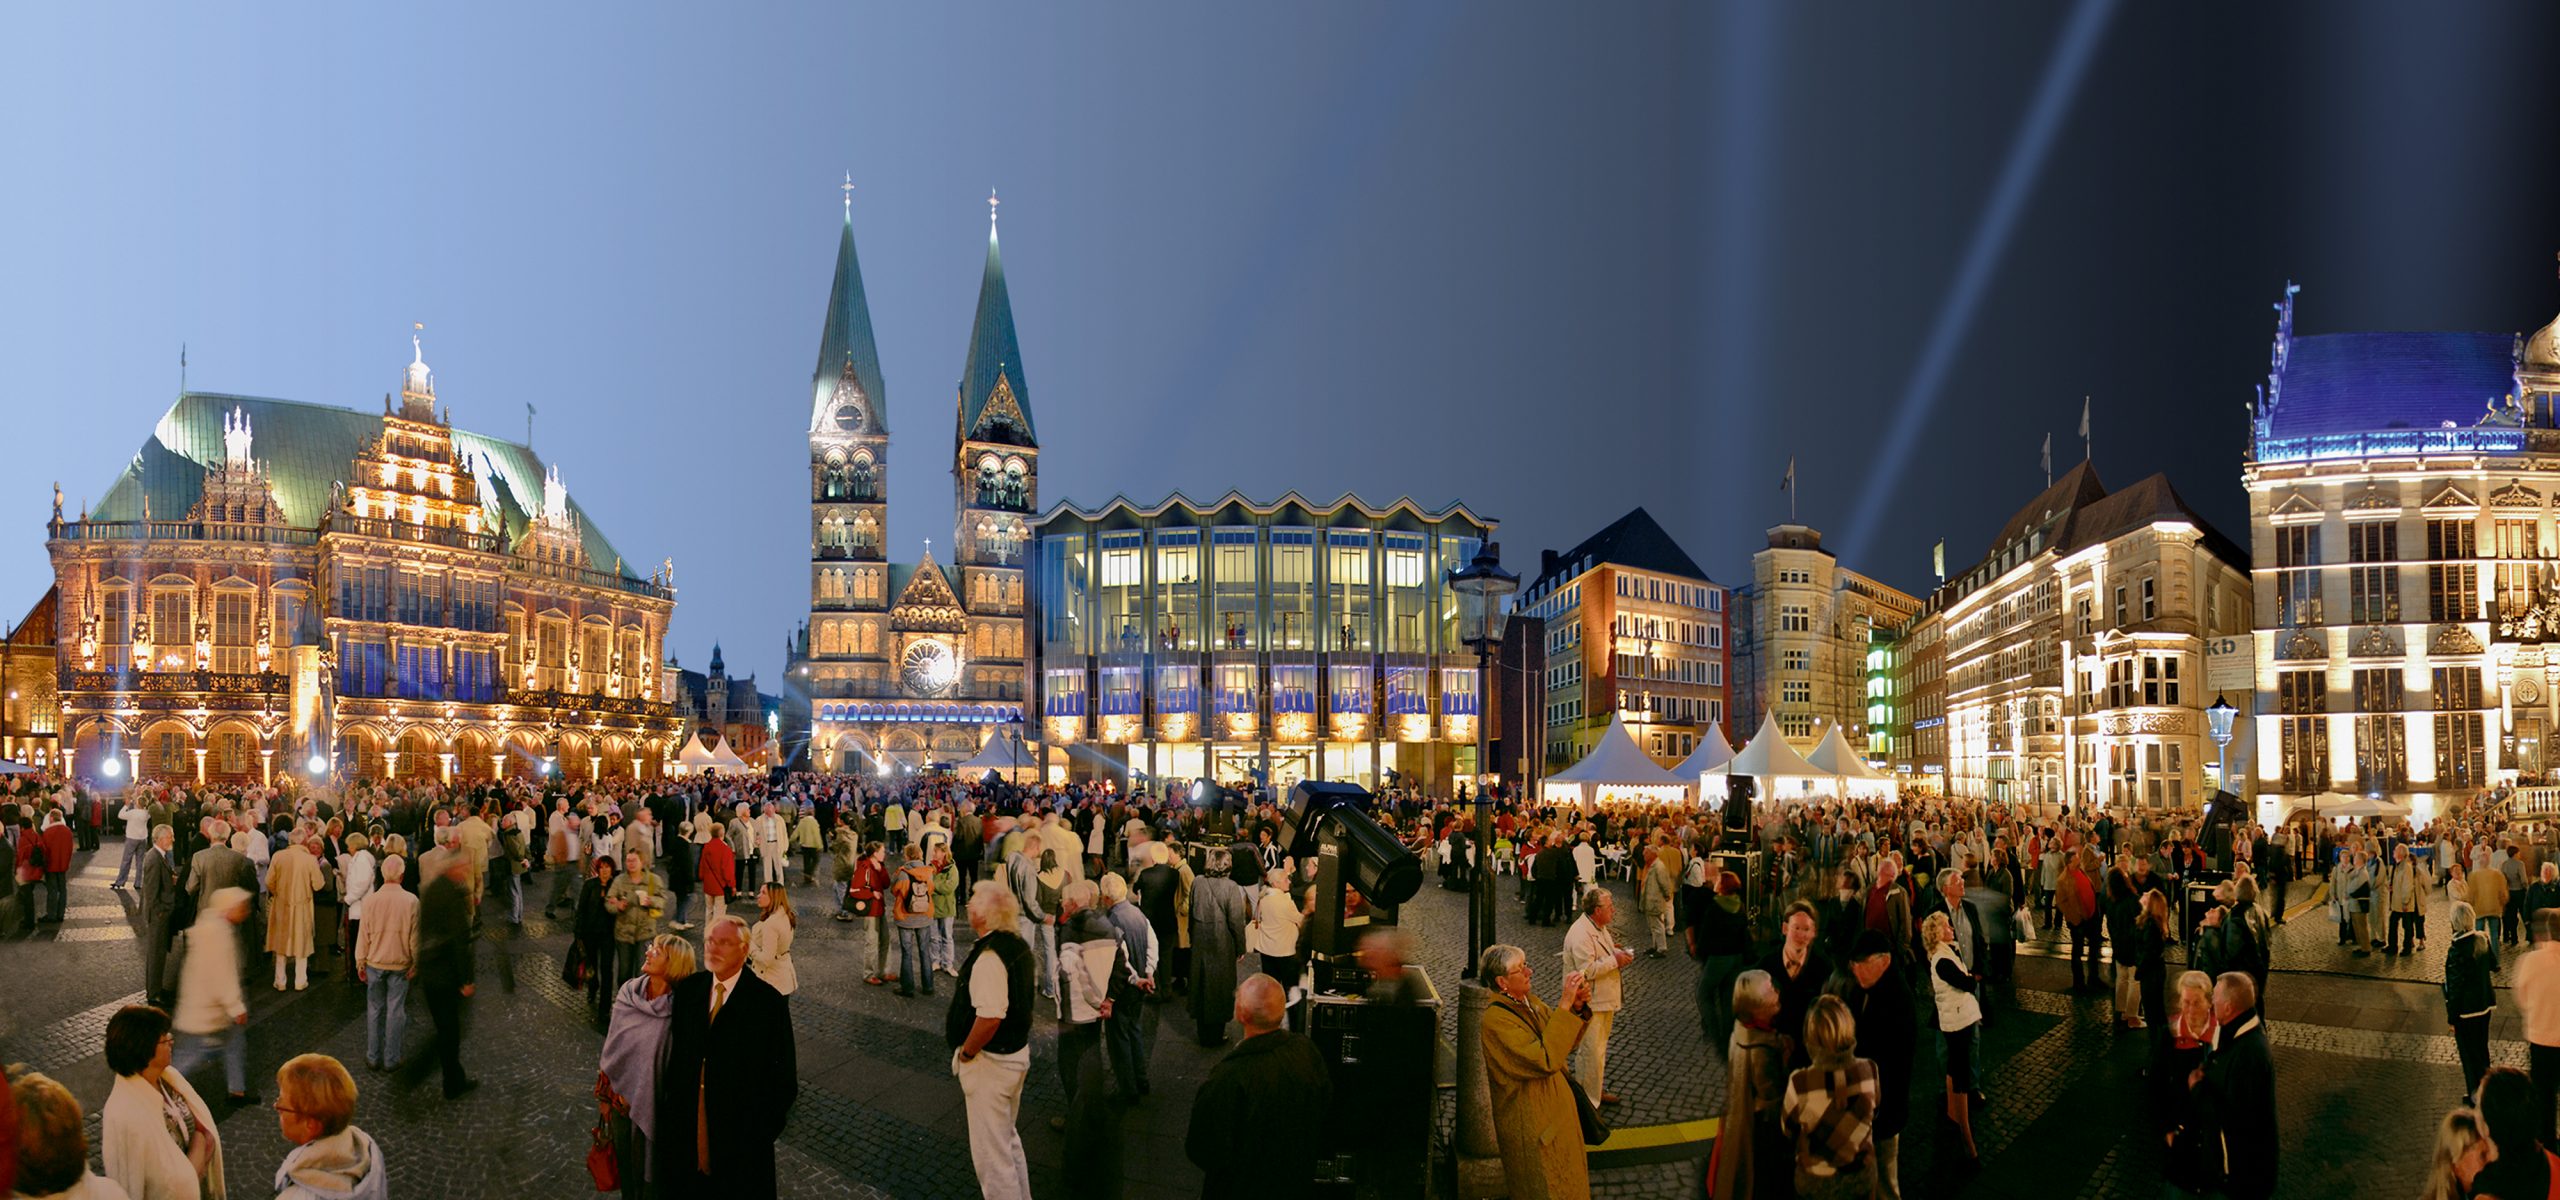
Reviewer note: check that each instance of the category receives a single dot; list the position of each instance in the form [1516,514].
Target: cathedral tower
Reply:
[847,647]
[996,471]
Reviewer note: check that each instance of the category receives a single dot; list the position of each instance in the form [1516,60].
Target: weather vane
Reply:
[848,193]
[991,205]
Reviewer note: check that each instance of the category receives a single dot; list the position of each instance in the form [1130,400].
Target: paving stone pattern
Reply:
[2363,1064]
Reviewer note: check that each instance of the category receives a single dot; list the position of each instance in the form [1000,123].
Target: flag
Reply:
[1938,559]
[2084,418]
[1787,482]
[2048,458]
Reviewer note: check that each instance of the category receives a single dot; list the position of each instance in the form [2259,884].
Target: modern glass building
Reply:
[1254,642]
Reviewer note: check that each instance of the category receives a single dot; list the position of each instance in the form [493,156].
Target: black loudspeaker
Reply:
[2221,814]
[1739,792]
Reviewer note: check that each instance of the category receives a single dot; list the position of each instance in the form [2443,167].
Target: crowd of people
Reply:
[1831,942]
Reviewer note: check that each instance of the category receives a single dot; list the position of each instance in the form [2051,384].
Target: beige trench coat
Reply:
[1526,1045]
[293,877]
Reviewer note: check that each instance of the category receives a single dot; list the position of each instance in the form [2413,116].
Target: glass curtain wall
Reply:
[1405,593]
[1177,584]
[1234,575]
[1293,575]
[1349,602]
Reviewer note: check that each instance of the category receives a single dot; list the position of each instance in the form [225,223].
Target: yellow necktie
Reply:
[701,1101]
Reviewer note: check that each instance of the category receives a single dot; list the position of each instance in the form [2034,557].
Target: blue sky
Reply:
[1554,261]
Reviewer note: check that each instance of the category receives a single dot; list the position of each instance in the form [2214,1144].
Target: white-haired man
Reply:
[989,1028]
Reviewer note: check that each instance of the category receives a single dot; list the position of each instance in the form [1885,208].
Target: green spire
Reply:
[994,355]
[847,338]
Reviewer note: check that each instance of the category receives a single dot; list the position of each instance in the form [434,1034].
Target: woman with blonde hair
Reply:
[769,942]
[2462,1149]
[1830,1109]
[1959,1016]
[635,1041]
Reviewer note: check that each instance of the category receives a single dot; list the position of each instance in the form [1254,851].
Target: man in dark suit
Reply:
[159,902]
[730,1079]
[1258,1119]
[2235,1090]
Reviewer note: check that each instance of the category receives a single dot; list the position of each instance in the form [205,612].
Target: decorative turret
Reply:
[418,385]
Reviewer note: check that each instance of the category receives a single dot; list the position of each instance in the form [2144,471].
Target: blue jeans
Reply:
[939,942]
[386,1016]
[914,967]
[194,1048]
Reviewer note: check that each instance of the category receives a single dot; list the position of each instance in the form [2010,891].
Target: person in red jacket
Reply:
[2076,897]
[717,873]
[57,865]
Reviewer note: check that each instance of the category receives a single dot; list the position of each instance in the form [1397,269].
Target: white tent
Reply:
[1712,752]
[1855,777]
[1616,769]
[1783,773]
[715,759]
[1005,757]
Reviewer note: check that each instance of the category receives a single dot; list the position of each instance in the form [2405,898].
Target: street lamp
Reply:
[1482,587]
[2218,718]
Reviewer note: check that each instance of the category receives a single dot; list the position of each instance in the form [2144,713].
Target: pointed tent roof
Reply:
[847,340]
[998,755]
[695,755]
[1712,752]
[725,758]
[1616,759]
[1768,755]
[994,355]
[1834,757]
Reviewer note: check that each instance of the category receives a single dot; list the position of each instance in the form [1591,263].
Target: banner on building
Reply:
[2231,663]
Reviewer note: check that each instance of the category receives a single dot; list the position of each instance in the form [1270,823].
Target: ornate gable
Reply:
[848,409]
[2453,639]
[2515,495]
[2452,497]
[2373,498]
[928,602]
[1000,419]
[2297,505]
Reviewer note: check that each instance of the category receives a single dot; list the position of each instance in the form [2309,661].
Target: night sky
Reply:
[1552,261]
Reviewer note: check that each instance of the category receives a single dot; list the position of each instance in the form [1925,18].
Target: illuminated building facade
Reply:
[1803,632]
[712,703]
[900,664]
[2074,654]
[2407,592]
[1243,641]
[1634,630]
[273,586]
[1914,712]
[30,713]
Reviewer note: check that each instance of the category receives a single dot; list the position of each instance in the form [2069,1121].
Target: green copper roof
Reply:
[848,335]
[993,352]
[308,447]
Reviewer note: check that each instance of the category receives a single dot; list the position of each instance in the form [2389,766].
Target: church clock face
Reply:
[927,668]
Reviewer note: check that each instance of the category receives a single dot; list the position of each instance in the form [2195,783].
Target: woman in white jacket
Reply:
[769,943]
[156,1135]
[1274,934]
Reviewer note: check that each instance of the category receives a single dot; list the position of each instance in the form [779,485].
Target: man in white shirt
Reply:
[1591,949]
[989,1028]
[137,837]
[1586,864]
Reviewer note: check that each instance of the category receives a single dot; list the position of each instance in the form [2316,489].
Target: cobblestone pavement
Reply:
[2363,1064]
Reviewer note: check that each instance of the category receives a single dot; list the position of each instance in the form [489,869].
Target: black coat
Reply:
[742,1071]
[1888,1035]
[1257,1121]
[2238,1098]
[445,944]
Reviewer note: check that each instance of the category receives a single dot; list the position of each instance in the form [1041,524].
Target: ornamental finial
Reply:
[992,202]
[848,195]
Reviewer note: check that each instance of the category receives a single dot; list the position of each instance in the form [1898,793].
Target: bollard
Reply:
[1479,1154]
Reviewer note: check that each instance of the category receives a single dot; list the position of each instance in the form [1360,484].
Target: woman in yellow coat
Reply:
[294,877]
[1526,1044]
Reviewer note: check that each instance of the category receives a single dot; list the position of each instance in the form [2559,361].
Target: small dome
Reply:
[2543,348]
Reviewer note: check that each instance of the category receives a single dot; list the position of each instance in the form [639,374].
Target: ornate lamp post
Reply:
[2218,718]
[1482,587]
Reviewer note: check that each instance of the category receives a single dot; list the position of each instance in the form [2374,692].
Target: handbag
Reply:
[1594,1132]
[601,1163]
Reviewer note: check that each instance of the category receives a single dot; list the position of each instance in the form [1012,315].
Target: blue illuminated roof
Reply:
[2347,383]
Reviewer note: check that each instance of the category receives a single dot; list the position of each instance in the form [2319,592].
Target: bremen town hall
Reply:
[905,663]
[274,587]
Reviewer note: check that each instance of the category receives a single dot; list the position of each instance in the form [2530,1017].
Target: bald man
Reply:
[1258,1119]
